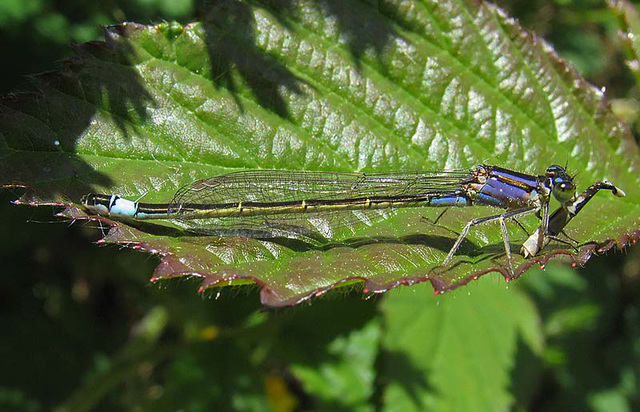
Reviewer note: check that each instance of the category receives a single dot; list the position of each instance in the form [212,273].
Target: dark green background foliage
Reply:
[82,328]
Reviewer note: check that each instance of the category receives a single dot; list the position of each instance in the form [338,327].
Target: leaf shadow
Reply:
[403,372]
[119,88]
[233,47]
[299,242]
[525,374]
[60,106]
[362,25]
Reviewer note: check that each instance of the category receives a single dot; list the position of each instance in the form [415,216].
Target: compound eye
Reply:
[563,190]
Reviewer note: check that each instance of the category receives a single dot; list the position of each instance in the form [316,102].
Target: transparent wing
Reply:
[281,186]
[273,186]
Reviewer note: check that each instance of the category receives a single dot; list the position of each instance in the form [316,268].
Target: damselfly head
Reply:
[561,183]
[555,171]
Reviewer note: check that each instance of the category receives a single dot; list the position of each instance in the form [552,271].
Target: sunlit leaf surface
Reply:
[482,342]
[306,85]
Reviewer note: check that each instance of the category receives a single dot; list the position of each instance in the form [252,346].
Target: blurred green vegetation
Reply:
[35,34]
[84,330]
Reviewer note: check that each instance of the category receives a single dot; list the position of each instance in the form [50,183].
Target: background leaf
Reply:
[629,21]
[431,361]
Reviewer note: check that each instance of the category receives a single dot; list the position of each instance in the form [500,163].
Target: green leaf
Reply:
[319,86]
[466,351]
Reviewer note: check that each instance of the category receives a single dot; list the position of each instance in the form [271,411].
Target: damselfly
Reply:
[284,197]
